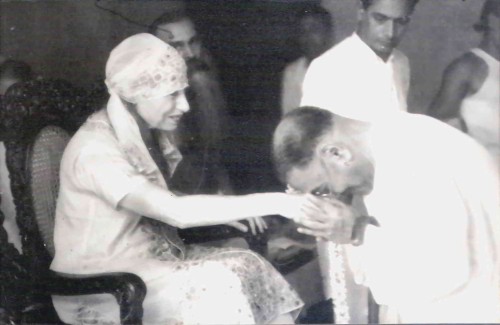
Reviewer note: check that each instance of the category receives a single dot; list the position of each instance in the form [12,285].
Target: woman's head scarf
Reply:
[144,67]
[140,68]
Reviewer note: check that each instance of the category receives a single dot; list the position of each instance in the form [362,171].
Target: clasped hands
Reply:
[326,218]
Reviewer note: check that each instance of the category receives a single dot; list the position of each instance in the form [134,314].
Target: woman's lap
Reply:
[212,285]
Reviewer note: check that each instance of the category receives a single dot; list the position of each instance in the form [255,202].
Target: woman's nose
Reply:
[182,103]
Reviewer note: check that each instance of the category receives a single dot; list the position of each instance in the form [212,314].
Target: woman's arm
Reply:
[204,210]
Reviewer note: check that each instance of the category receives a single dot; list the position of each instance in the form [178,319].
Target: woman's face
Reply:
[163,113]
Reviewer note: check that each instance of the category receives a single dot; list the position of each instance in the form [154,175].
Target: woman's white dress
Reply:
[185,285]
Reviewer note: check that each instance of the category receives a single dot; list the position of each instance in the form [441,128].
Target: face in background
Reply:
[182,36]
[314,36]
[382,25]
[163,113]
[493,29]
[327,173]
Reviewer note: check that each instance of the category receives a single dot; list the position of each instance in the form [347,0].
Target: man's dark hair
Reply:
[318,12]
[367,3]
[297,136]
[171,16]
[15,69]
[490,7]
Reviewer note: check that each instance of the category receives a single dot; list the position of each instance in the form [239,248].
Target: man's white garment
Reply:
[351,80]
[291,84]
[434,258]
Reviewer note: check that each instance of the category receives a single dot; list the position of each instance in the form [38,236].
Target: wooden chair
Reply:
[37,119]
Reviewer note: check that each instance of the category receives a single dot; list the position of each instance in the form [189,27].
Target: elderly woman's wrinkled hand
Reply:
[327,219]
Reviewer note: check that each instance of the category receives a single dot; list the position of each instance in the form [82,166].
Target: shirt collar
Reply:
[364,48]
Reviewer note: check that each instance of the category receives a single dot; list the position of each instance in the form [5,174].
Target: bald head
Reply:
[297,136]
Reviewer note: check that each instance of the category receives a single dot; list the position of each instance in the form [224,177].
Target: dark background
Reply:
[251,40]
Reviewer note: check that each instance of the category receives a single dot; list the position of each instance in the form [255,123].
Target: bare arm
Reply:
[204,210]
[455,86]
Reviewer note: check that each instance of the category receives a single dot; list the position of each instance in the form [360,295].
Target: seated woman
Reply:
[115,170]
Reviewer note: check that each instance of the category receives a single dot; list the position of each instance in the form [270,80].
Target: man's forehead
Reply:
[182,30]
[391,8]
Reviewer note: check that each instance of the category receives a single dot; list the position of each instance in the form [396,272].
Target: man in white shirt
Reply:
[365,70]
[315,36]
[434,257]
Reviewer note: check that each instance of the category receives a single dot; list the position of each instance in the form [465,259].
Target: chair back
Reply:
[37,119]
[44,159]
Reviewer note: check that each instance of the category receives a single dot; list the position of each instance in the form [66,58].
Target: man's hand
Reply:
[327,219]
[257,224]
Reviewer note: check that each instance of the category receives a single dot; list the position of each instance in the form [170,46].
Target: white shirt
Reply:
[434,257]
[291,84]
[353,81]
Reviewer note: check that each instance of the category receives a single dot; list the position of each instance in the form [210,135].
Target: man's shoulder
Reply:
[296,65]
[466,64]
[400,58]
[339,51]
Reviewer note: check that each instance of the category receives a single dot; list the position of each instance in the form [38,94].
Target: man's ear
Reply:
[334,154]
[361,13]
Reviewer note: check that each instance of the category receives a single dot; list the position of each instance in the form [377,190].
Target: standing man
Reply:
[201,130]
[365,70]
[315,36]
[433,254]
[469,96]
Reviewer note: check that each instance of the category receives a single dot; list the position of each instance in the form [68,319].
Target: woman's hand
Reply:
[257,224]
[327,219]
[296,206]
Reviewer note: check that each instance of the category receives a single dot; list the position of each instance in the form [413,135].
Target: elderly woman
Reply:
[116,169]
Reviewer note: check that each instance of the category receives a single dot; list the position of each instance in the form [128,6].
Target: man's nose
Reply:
[390,29]
[182,103]
[188,52]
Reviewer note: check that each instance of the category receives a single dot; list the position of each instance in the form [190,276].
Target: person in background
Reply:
[116,213]
[365,73]
[469,96]
[11,72]
[202,129]
[430,253]
[315,36]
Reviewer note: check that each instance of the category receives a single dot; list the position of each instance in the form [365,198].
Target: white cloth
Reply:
[291,84]
[434,258]
[481,110]
[352,81]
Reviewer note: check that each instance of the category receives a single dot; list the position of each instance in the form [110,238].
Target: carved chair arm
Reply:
[128,289]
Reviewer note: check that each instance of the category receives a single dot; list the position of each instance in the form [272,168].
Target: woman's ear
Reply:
[334,154]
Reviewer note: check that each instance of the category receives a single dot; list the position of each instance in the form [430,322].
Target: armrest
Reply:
[197,235]
[128,289]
